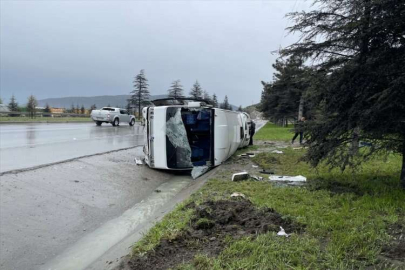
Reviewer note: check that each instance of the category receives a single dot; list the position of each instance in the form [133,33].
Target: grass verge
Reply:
[347,217]
[274,133]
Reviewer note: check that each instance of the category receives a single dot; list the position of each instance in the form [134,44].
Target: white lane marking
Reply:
[70,140]
[38,129]
[95,244]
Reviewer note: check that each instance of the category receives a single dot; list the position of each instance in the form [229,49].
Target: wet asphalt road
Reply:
[66,215]
[30,145]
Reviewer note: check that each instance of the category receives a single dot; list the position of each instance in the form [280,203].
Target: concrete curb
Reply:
[116,253]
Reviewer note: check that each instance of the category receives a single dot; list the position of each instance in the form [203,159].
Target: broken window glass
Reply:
[177,145]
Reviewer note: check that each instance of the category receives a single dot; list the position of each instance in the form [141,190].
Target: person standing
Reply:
[299,130]
[252,132]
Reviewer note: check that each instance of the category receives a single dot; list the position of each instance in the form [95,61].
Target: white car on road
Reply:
[114,116]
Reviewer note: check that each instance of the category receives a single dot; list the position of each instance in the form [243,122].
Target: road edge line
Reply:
[64,161]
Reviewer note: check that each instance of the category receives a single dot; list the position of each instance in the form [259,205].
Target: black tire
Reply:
[116,122]
[98,123]
[132,122]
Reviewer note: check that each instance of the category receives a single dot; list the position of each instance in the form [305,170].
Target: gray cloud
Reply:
[84,48]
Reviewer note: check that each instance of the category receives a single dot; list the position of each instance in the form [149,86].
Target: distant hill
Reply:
[100,101]
[253,111]
[119,101]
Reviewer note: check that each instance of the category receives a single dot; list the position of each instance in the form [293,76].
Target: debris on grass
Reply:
[249,155]
[237,194]
[282,232]
[264,171]
[255,166]
[257,178]
[277,152]
[298,178]
[240,176]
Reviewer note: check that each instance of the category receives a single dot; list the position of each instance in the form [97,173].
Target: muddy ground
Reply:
[213,222]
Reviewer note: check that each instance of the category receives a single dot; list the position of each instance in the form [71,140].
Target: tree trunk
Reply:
[301,107]
[355,141]
[402,180]
[139,100]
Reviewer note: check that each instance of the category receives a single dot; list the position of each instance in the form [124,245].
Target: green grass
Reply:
[346,216]
[45,119]
[273,132]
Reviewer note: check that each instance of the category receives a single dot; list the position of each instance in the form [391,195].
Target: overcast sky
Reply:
[86,48]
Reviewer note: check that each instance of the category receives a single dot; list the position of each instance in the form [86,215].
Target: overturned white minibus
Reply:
[188,134]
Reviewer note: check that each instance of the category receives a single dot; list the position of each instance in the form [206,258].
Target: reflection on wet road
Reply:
[29,145]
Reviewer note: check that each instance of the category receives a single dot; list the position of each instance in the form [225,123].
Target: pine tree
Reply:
[129,107]
[281,98]
[360,48]
[13,105]
[93,107]
[196,91]
[240,109]
[140,93]
[206,96]
[176,90]
[225,105]
[47,108]
[31,105]
[215,101]
[82,110]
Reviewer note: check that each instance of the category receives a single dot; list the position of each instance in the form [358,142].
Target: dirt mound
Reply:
[396,249]
[212,223]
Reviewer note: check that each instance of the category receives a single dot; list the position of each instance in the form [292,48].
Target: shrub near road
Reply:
[337,220]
